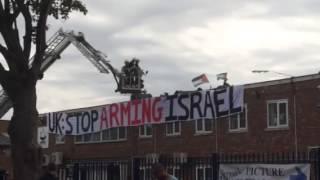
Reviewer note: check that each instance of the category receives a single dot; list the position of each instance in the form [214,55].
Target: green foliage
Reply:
[60,9]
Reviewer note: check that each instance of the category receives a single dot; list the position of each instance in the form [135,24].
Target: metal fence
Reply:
[184,168]
[95,170]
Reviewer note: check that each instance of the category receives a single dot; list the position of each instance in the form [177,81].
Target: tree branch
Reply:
[1,14]
[2,73]
[16,11]
[1,6]
[7,7]
[11,37]
[41,36]
[12,52]
[27,41]
[8,57]
[3,50]
[1,69]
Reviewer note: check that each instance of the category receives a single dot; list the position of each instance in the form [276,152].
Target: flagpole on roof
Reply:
[223,76]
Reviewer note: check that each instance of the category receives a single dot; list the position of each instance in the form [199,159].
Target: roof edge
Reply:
[283,81]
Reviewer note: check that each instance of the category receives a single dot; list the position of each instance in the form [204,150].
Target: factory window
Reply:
[238,121]
[277,113]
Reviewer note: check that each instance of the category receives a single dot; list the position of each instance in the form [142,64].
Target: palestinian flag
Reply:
[200,80]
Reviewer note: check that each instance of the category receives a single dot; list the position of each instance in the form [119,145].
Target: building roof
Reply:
[292,79]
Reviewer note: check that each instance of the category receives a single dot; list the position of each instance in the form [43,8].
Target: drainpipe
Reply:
[295,118]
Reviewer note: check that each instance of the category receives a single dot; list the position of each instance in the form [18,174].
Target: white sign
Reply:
[43,137]
[209,104]
[264,172]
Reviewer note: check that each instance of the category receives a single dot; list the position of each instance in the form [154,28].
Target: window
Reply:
[60,139]
[92,137]
[203,126]
[204,173]
[277,113]
[238,122]
[145,130]
[113,134]
[173,128]
[78,138]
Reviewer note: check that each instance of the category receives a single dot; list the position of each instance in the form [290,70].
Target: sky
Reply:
[179,40]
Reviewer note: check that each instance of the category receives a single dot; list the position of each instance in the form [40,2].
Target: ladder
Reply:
[55,46]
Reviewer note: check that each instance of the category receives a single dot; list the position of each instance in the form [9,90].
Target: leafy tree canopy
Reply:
[34,13]
[59,8]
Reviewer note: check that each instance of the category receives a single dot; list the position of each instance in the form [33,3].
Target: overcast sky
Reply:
[178,40]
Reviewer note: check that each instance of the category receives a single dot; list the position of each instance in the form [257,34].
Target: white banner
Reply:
[43,137]
[178,107]
[264,172]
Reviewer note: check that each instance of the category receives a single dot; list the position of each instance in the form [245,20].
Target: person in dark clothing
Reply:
[50,173]
[159,173]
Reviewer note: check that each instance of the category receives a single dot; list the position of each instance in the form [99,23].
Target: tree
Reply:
[19,78]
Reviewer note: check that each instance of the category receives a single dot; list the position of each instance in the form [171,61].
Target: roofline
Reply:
[246,86]
[283,81]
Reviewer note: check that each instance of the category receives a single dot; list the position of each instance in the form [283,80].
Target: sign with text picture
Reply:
[264,171]
[185,106]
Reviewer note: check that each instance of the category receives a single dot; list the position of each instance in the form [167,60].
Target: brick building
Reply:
[280,116]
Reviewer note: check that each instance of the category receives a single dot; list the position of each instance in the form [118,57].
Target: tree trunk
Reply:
[22,130]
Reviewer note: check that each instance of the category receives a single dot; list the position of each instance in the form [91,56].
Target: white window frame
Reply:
[101,140]
[60,139]
[118,136]
[174,133]
[203,130]
[239,129]
[204,167]
[143,131]
[91,136]
[278,102]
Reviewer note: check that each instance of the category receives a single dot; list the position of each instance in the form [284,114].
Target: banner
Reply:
[264,171]
[43,137]
[178,107]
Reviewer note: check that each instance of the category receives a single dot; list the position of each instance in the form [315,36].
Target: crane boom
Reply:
[55,46]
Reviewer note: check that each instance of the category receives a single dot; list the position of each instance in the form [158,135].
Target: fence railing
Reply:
[184,168]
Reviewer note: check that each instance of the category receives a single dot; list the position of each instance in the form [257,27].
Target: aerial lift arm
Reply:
[55,46]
